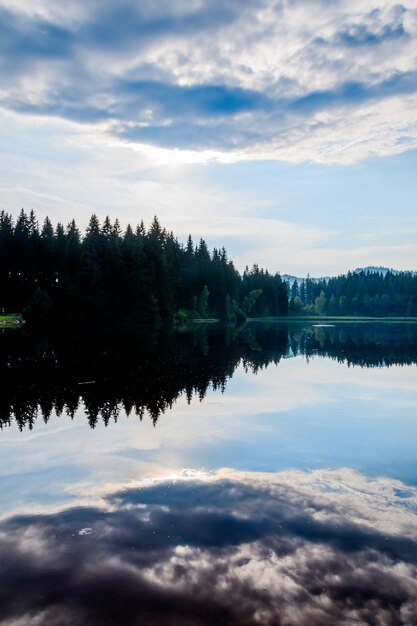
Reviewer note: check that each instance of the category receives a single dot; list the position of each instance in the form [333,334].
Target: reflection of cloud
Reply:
[228,548]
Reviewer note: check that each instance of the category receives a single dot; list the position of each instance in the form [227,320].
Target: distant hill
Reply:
[381,270]
[369,268]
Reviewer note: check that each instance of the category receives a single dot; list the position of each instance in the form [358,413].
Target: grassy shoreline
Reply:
[333,318]
[311,319]
[10,321]
[15,320]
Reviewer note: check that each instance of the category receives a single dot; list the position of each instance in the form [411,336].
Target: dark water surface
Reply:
[266,476]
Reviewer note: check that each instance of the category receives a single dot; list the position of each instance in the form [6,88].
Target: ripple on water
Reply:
[78,530]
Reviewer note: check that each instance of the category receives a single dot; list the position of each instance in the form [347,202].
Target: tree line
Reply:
[360,293]
[56,274]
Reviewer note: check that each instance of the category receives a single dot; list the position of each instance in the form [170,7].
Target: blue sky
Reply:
[286,131]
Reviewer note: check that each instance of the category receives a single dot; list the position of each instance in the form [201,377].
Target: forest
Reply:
[360,293]
[56,275]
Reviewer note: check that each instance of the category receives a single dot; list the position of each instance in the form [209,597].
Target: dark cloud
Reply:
[194,552]
[24,39]
[70,109]
[200,116]
[194,112]
[74,93]
[143,23]
[121,63]
[362,35]
[29,46]
[108,26]
[209,101]
[355,93]
[372,31]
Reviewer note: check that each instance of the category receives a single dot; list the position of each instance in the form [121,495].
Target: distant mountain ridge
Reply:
[289,278]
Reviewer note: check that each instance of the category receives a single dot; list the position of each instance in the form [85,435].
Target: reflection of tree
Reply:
[138,376]
[363,344]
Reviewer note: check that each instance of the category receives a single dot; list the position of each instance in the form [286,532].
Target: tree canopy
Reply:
[137,276]
[360,293]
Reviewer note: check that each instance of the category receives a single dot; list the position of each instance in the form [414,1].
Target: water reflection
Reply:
[107,375]
[318,548]
[92,532]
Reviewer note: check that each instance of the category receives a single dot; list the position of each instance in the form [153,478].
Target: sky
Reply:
[285,130]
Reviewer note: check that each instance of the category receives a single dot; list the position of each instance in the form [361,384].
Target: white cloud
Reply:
[328,82]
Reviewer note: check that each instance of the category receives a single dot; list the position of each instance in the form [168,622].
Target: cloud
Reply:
[267,80]
[326,547]
[379,26]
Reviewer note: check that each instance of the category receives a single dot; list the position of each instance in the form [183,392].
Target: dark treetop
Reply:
[55,275]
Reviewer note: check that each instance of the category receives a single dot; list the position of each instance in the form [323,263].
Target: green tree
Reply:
[250,300]
[296,305]
[203,301]
[333,308]
[320,304]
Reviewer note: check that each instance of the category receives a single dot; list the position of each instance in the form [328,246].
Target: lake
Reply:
[266,475]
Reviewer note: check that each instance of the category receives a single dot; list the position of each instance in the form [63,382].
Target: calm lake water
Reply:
[267,476]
